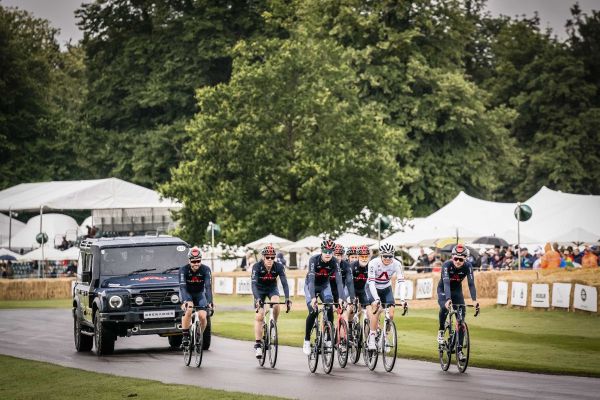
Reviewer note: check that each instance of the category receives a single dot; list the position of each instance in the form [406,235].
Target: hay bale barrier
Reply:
[35,289]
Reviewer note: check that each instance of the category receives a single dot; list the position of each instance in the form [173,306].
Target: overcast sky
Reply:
[553,13]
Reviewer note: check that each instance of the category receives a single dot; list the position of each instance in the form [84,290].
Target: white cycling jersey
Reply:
[380,275]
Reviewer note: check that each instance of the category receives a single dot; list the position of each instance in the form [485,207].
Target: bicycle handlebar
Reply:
[477,309]
[271,303]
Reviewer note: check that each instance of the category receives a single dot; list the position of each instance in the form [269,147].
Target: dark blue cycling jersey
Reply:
[346,279]
[452,278]
[319,272]
[264,280]
[192,283]
[359,276]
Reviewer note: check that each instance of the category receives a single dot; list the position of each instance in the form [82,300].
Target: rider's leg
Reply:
[457,298]
[258,324]
[312,314]
[186,319]
[275,299]
[203,320]
[443,310]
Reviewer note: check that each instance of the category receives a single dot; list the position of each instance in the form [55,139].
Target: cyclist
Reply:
[352,254]
[449,289]
[195,290]
[348,294]
[359,277]
[381,270]
[320,268]
[264,284]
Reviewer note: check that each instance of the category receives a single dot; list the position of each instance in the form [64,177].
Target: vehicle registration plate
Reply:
[159,314]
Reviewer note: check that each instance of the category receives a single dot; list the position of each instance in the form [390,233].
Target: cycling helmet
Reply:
[195,254]
[364,250]
[327,245]
[387,249]
[352,251]
[339,249]
[269,250]
[460,250]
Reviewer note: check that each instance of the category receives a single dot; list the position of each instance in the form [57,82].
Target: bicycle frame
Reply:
[268,321]
[453,344]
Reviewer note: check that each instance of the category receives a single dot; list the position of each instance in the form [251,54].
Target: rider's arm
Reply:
[349,281]
[446,280]
[254,279]
[338,278]
[310,278]
[208,285]
[371,281]
[471,282]
[284,282]
[183,293]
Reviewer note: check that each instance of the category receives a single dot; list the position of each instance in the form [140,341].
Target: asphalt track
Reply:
[46,335]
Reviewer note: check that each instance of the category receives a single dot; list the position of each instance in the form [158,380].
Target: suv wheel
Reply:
[104,338]
[206,338]
[82,342]
[175,341]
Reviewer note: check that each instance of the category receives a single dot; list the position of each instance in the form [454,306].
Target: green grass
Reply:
[55,303]
[25,379]
[552,341]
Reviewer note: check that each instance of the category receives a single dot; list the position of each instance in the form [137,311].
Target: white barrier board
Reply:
[425,288]
[519,294]
[291,286]
[300,287]
[561,295]
[540,295]
[243,285]
[224,285]
[502,297]
[408,290]
[585,298]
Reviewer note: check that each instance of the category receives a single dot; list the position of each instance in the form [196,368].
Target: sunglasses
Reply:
[387,257]
[459,259]
[269,258]
[328,252]
[196,262]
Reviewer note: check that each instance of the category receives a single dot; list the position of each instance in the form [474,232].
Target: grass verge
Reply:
[550,342]
[25,379]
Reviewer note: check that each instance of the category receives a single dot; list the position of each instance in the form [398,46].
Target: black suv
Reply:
[128,286]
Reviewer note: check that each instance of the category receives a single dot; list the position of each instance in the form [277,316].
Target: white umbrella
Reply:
[352,239]
[50,254]
[577,236]
[72,253]
[308,244]
[276,241]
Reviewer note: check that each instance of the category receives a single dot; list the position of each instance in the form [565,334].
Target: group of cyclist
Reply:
[348,278]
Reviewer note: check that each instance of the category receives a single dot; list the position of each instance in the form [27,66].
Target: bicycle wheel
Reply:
[365,337]
[355,343]
[389,345]
[273,344]
[187,352]
[445,349]
[265,345]
[313,357]
[466,347]
[342,343]
[198,344]
[328,347]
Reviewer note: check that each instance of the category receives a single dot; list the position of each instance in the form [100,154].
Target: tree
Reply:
[286,146]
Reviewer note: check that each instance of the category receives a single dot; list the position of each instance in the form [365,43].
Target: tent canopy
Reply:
[96,194]
[276,241]
[54,225]
[352,239]
[50,253]
[308,245]
[4,227]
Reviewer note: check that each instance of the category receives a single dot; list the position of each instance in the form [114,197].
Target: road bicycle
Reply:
[386,340]
[356,335]
[341,338]
[195,347]
[321,340]
[452,334]
[269,342]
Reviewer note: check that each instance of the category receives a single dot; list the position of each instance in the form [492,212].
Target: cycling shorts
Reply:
[321,292]
[385,295]
[199,299]
[268,292]
[362,297]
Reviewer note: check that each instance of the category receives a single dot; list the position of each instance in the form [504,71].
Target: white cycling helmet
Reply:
[386,249]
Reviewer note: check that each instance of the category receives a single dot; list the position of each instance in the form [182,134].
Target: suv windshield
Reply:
[124,260]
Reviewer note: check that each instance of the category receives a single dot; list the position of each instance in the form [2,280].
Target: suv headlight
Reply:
[174,299]
[115,301]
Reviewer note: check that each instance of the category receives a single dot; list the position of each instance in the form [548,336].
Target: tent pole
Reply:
[42,236]
[519,234]
[9,226]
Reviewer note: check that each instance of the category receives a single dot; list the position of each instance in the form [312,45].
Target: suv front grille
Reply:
[154,298]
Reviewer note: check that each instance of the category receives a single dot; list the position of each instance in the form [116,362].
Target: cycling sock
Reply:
[443,314]
[310,320]
[186,332]
[258,341]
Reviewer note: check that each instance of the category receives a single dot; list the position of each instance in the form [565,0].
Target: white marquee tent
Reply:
[49,253]
[5,225]
[54,225]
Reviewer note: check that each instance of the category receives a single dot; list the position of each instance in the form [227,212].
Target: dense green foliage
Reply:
[292,116]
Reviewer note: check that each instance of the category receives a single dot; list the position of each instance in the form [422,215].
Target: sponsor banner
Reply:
[425,288]
[300,287]
[540,295]
[561,295]
[407,288]
[224,285]
[585,298]
[502,297]
[519,294]
[291,283]
[243,286]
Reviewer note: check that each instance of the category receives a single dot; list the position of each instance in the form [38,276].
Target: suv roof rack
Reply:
[86,243]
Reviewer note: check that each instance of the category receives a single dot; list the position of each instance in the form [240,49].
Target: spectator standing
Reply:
[589,259]
[281,259]
[551,258]
[423,261]
[577,255]
[526,259]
